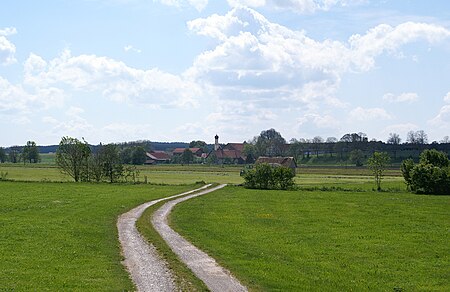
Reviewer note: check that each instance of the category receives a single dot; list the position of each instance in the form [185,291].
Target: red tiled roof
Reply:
[194,150]
[284,161]
[158,155]
[226,153]
[235,146]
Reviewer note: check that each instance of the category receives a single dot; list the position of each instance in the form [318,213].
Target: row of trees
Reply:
[76,159]
[28,153]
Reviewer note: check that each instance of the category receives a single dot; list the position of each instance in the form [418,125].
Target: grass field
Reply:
[63,236]
[189,174]
[323,241]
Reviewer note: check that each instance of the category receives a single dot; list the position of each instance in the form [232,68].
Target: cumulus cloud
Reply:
[129,48]
[442,119]
[298,6]
[403,97]
[447,97]
[7,48]
[112,78]
[197,4]
[266,63]
[369,114]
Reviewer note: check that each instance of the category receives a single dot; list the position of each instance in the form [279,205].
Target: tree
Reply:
[112,168]
[446,139]
[418,137]
[2,155]
[139,155]
[378,163]
[356,157]
[394,139]
[431,175]
[96,167]
[316,141]
[199,144]
[71,157]
[13,156]
[331,143]
[30,152]
[249,152]
[270,143]
[187,156]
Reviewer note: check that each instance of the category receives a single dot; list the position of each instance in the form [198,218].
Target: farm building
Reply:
[157,157]
[288,162]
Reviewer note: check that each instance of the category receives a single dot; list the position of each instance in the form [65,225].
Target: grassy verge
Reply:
[184,278]
[63,236]
[320,240]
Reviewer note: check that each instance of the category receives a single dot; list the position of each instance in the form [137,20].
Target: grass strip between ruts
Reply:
[185,279]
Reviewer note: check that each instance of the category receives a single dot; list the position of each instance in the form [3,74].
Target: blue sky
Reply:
[182,70]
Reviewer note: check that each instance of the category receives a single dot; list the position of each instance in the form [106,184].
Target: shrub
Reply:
[264,176]
[430,176]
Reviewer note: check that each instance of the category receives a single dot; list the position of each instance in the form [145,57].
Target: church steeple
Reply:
[216,142]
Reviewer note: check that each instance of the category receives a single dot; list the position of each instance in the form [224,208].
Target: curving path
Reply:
[204,267]
[147,270]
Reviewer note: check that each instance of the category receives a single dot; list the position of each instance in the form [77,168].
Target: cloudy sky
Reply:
[179,70]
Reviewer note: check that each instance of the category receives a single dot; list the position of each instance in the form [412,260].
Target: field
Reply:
[322,240]
[332,233]
[63,236]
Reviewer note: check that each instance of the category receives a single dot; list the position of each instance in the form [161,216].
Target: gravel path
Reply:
[147,270]
[204,267]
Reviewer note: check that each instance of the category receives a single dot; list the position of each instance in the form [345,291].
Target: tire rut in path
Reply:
[204,267]
[146,268]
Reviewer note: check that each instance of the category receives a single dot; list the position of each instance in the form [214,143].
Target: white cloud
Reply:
[7,48]
[265,63]
[113,79]
[447,98]
[298,6]
[400,128]
[128,48]
[369,114]
[442,120]
[403,97]
[197,4]
[385,38]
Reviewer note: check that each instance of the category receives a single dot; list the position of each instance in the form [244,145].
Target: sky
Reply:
[183,70]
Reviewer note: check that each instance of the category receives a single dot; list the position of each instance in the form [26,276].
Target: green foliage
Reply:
[199,144]
[378,163]
[430,176]
[2,155]
[30,152]
[269,143]
[139,156]
[264,176]
[356,157]
[187,157]
[72,157]
[109,156]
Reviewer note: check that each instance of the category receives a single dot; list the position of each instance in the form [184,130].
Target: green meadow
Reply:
[63,236]
[323,240]
[332,233]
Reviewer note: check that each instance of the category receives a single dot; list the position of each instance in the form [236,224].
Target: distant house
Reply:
[231,153]
[157,157]
[196,151]
[288,162]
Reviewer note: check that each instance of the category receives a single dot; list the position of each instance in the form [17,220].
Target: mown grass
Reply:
[63,236]
[323,241]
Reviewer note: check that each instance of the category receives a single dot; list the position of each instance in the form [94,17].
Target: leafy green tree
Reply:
[112,168]
[72,157]
[2,155]
[270,143]
[96,167]
[249,152]
[30,152]
[13,156]
[378,163]
[139,155]
[431,175]
[187,157]
[356,157]
[199,144]
[126,155]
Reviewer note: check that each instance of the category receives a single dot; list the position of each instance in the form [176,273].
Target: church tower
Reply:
[216,143]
